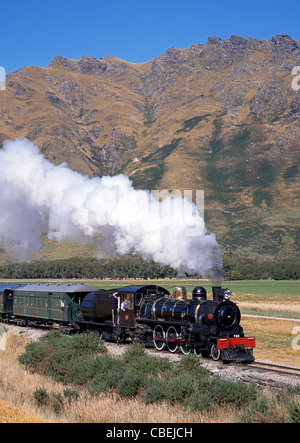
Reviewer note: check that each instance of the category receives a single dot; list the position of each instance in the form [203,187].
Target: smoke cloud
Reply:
[38,198]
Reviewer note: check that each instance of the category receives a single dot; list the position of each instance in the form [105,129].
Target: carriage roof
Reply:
[10,286]
[57,287]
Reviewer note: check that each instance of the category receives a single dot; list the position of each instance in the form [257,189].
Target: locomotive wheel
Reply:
[185,346]
[172,339]
[215,352]
[159,337]
[197,351]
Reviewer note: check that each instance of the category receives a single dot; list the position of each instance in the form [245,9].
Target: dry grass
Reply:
[17,385]
[288,307]
[12,414]
[273,339]
[109,408]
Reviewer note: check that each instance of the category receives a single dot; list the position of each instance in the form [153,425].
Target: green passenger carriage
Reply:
[43,303]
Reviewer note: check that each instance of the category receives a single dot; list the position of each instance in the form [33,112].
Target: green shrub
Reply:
[57,403]
[255,412]
[102,384]
[148,364]
[178,388]
[107,373]
[199,402]
[190,363]
[262,411]
[133,352]
[71,394]
[64,358]
[52,338]
[59,364]
[130,384]
[234,393]
[293,409]
[41,397]
[86,344]
[81,371]
[154,391]
[35,355]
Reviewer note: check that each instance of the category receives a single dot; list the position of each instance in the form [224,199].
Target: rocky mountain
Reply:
[221,117]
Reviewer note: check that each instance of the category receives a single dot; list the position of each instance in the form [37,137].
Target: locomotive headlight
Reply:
[227,294]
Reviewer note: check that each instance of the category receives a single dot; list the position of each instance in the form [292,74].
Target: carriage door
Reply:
[127,315]
[8,302]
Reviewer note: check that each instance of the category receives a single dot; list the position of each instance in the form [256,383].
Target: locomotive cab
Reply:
[126,311]
[119,307]
[133,297]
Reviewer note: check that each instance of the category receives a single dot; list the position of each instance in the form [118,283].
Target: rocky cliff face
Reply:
[220,116]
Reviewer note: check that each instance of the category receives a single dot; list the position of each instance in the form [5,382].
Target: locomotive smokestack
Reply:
[217,293]
[220,294]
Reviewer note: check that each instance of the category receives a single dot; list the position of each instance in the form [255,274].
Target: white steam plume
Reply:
[37,197]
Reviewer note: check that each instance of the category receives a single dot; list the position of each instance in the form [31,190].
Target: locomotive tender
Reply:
[146,314]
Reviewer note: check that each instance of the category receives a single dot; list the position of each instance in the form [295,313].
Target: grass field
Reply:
[253,287]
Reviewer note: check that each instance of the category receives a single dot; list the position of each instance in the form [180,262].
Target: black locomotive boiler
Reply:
[151,315]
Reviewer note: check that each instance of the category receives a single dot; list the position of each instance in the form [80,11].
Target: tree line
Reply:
[246,269]
[127,267]
[85,268]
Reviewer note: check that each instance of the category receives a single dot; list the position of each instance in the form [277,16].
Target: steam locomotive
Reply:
[146,314]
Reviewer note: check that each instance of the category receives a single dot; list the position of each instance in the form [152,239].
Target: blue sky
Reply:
[34,32]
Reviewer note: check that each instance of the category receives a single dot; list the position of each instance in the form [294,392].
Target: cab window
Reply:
[130,301]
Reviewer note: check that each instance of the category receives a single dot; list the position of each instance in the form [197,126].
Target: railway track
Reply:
[275,367]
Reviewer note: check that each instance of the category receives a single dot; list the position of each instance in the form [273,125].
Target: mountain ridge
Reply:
[220,117]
